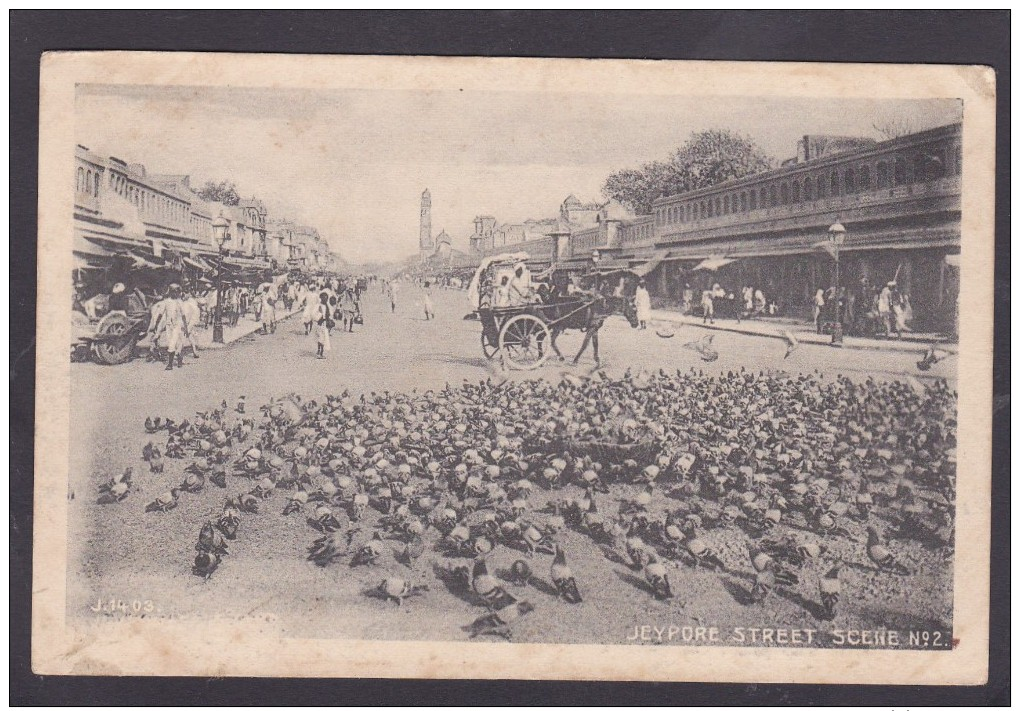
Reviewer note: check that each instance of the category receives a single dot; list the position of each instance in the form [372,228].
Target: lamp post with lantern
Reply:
[221,234]
[837,236]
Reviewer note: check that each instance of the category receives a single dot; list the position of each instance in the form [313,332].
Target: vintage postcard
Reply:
[513,368]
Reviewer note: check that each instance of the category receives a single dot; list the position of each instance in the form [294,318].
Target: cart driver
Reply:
[520,285]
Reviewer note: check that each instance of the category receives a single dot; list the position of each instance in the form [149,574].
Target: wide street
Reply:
[121,552]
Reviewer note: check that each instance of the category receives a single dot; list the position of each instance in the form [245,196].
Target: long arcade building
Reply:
[899,201]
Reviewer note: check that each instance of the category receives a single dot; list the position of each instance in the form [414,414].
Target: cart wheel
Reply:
[488,348]
[115,351]
[524,341]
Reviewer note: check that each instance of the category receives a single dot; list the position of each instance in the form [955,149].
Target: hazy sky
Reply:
[353,163]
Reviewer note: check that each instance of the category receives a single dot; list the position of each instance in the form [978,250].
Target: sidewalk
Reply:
[231,334]
[774,328]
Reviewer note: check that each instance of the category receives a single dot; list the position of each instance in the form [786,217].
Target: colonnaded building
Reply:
[899,201]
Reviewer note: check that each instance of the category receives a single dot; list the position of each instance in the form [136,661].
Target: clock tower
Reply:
[425,245]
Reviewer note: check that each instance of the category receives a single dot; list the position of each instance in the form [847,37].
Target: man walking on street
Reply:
[193,314]
[173,327]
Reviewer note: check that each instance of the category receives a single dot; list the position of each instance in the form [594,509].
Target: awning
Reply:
[142,261]
[714,263]
[646,268]
[197,263]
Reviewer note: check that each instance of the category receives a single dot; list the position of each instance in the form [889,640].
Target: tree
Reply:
[223,191]
[895,127]
[707,158]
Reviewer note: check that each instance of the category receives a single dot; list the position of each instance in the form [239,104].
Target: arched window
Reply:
[773,195]
[726,205]
[807,190]
[711,208]
[834,184]
[95,184]
[849,187]
[864,178]
[87,186]
[80,183]
[718,206]
[819,187]
[784,194]
[795,192]
[754,199]
[882,175]
[900,171]
[743,202]
[764,198]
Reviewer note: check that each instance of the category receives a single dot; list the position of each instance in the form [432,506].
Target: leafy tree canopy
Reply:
[223,191]
[707,158]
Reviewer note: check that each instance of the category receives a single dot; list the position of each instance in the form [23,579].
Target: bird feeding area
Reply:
[527,507]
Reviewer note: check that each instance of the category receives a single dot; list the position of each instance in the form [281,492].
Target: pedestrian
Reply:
[155,323]
[348,309]
[324,323]
[687,300]
[819,304]
[643,305]
[430,310]
[193,315]
[310,308]
[173,327]
[759,302]
[501,295]
[885,312]
[708,306]
[393,289]
[269,312]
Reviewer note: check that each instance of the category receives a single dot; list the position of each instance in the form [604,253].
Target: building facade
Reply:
[899,201]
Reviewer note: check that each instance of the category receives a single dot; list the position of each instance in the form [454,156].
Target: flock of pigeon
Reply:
[650,467]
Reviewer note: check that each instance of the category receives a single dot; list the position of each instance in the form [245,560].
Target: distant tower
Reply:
[425,245]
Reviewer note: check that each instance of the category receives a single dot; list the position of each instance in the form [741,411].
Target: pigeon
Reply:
[520,573]
[328,548]
[791,343]
[115,493]
[193,483]
[413,549]
[248,503]
[370,552]
[150,425]
[156,461]
[164,502]
[563,578]
[658,580]
[881,556]
[397,589]
[932,356]
[704,348]
[829,587]
[210,540]
[325,520]
[296,502]
[229,520]
[488,588]
[206,563]
[502,621]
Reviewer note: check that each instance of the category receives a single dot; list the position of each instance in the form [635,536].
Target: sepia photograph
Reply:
[540,364]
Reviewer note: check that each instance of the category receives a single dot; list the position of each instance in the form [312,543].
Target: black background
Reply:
[974,37]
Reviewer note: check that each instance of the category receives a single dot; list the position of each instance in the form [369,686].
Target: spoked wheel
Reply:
[116,350]
[488,348]
[524,340]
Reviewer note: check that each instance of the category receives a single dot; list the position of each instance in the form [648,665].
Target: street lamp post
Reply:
[221,234]
[837,236]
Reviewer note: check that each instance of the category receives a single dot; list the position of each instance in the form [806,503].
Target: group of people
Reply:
[751,303]
[330,303]
[865,311]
